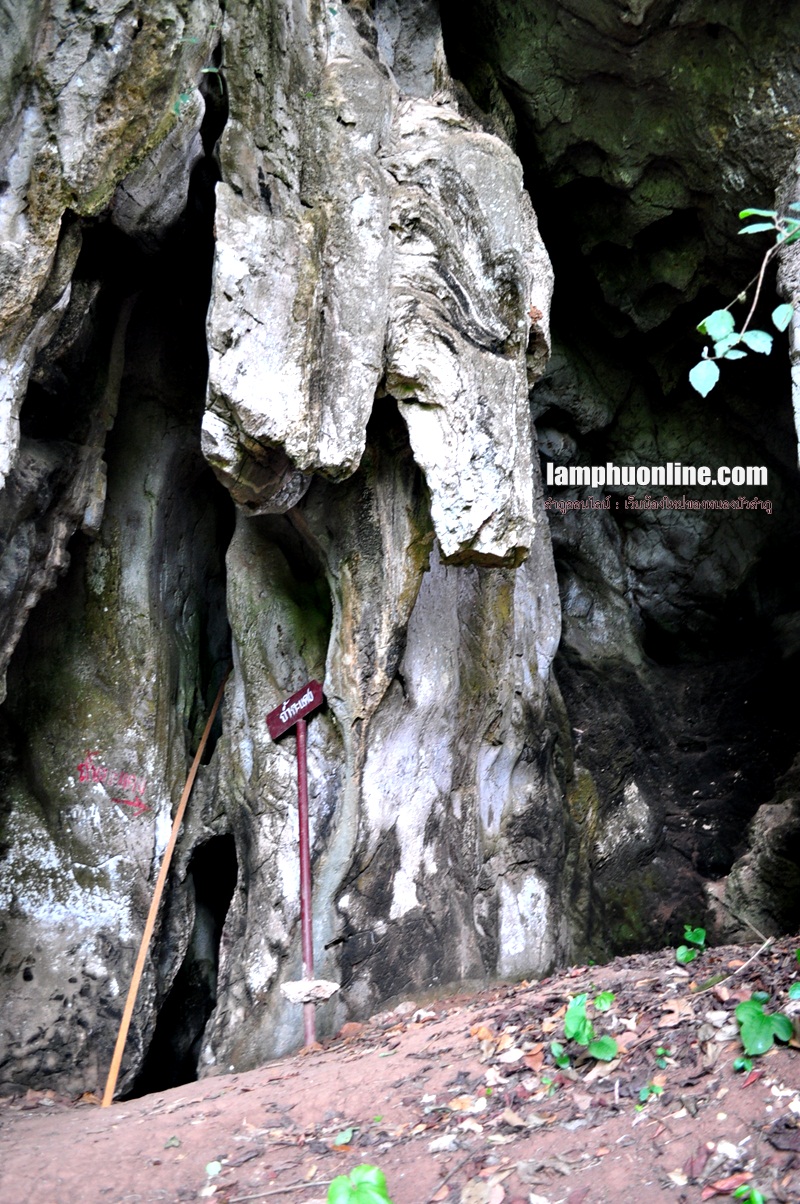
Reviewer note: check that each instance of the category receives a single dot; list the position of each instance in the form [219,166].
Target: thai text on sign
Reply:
[297,706]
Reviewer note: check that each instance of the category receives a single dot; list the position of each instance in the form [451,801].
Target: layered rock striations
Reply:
[273,302]
[377,312]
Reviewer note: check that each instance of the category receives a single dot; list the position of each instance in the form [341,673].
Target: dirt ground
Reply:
[460,1101]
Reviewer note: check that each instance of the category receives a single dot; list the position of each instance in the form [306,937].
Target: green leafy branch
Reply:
[720,326]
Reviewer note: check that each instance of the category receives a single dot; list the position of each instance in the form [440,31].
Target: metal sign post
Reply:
[292,713]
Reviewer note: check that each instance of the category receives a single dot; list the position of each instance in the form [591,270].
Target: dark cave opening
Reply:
[681,637]
[173,1055]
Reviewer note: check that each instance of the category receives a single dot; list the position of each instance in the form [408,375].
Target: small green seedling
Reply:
[579,1028]
[560,1057]
[604,1000]
[693,937]
[751,1194]
[364,1185]
[661,1056]
[794,990]
[741,1063]
[648,1092]
[759,1030]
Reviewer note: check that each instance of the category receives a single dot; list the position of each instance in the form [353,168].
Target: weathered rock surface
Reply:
[678,624]
[450,268]
[491,791]
[87,97]
[379,304]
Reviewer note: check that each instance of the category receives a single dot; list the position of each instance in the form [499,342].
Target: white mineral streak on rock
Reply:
[630,827]
[527,937]
[407,249]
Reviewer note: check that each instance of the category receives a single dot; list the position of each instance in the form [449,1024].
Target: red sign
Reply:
[297,707]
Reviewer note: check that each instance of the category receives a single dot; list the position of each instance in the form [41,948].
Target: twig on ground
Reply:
[277,1191]
[717,979]
[450,1174]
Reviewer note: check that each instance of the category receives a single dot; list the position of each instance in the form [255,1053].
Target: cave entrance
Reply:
[174,1051]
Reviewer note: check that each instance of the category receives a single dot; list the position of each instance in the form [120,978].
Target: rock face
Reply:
[438,312]
[378,311]
[273,301]
[679,625]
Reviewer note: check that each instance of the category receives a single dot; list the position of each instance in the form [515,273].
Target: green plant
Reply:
[560,1058]
[364,1185]
[745,1064]
[650,1091]
[693,937]
[720,326]
[757,1029]
[751,1194]
[579,1028]
[661,1056]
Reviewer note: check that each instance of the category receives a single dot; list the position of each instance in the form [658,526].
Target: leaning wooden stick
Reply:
[133,990]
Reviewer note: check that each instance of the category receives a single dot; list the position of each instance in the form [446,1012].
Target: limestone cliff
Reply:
[274,304]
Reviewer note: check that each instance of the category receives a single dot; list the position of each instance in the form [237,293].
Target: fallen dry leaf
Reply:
[468,1103]
[511,1055]
[725,1187]
[696,1162]
[675,1011]
[509,1117]
[478,1192]
[482,1032]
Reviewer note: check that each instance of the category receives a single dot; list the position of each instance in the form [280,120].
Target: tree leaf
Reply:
[756,1029]
[364,1185]
[758,340]
[372,1175]
[343,1138]
[793,237]
[683,954]
[735,355]
[603,1048]
[782,316]
[718,324]
[723,345]
[757,213]
[577,1026]
[794,990]
[782,1027]
[604,1000]
[757,228]
[695,936]
[756,1034]
[703,377]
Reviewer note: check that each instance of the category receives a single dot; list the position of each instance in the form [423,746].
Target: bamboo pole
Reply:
[133,990]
